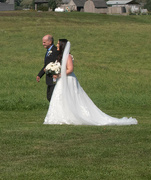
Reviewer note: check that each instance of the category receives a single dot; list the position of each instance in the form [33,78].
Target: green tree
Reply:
[2,0]
[148,5]
[17,2]
[53,4]
[27,4]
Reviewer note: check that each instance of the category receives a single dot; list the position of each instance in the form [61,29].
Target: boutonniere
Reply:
[49,52]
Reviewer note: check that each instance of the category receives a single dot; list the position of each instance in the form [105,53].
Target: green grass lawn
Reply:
[113,65]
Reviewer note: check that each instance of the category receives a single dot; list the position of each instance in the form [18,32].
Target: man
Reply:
[50,56]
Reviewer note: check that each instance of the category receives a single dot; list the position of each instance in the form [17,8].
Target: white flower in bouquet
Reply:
[53,68]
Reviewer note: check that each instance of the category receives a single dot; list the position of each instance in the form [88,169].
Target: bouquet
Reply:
[53,68]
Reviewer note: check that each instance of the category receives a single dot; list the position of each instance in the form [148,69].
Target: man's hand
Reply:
[38,79]
[56,76]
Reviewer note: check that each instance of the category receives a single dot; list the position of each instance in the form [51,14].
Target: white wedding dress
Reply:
[71,105]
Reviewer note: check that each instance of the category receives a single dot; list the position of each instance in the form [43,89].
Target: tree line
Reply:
[52,4]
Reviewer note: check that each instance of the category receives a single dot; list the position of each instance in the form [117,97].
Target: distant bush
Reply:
[43,7]
[27,4]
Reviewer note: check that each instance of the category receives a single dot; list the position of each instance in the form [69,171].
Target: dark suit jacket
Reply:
[51,58]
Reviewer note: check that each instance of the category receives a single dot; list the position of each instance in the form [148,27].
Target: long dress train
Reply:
[71,105]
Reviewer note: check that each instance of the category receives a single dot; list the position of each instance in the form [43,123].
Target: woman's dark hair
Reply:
[62,45]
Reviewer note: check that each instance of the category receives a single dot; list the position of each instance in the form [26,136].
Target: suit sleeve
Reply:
[42,72]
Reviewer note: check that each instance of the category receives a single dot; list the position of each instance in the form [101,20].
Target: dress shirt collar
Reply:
[49,48]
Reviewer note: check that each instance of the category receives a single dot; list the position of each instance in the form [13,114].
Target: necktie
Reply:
[47,52]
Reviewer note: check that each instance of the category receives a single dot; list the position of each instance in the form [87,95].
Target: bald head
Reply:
[47,41]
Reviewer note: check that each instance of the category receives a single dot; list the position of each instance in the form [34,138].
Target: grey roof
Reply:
[121,2]
[99,3]
[79,3]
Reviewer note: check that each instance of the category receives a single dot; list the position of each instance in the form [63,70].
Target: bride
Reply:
[70,104]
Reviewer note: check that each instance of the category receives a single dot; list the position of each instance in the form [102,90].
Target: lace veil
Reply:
[71,102]
[70,106]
